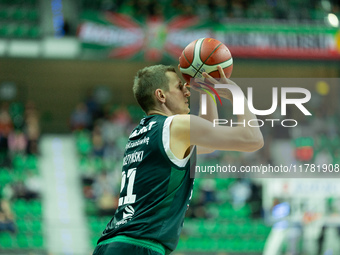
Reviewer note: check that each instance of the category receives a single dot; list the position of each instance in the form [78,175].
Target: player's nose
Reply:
[186,92]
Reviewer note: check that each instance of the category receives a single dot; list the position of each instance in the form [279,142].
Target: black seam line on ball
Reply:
[198,71]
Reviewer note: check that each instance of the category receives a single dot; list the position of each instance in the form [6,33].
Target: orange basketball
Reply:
[204,55]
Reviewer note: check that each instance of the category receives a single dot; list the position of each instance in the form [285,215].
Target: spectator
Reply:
[32,128]
[240,192]
[336,156]
[22,191]
[255,200]
[323,157]
[17,142]
[203,10]
[6,217]
[93,108]
[107,204]
[6,127]
[80,118]
[105,194]
[219,10]
[208,190]
[33,185]
[97,141]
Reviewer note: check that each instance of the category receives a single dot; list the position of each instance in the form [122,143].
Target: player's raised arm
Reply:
[193,130]
[211,110]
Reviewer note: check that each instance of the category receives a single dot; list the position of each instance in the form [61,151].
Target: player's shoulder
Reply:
[190,123]
[183,121]
[186,119]
[180,122]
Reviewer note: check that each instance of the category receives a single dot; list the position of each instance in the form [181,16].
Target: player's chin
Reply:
[184,111]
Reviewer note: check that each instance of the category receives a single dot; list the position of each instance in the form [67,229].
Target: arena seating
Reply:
[19,19]
[17,165]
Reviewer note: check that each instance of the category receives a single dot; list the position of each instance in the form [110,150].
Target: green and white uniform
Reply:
[156,187]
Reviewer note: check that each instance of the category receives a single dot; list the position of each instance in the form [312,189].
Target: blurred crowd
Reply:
[19,137]
[219,10]
[19,130]
[101,131]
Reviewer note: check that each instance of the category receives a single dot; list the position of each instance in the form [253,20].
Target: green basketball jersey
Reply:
[156,186]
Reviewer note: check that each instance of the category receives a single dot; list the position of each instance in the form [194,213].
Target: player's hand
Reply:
[223,92]
[195,86]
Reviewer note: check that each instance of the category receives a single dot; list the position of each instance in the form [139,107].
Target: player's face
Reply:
[177,96]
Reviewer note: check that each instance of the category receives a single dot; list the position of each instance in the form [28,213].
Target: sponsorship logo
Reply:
[137,143]
[142,130]
[204,96]
[128,212]
[127,215]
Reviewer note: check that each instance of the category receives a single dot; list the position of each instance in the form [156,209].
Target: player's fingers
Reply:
[220,70]
[188,85]
[209,78]
[206,75]
[195,85]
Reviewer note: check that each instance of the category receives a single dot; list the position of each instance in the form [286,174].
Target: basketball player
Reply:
[156,185]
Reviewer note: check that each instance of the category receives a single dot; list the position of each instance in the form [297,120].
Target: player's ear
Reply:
[160,96]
